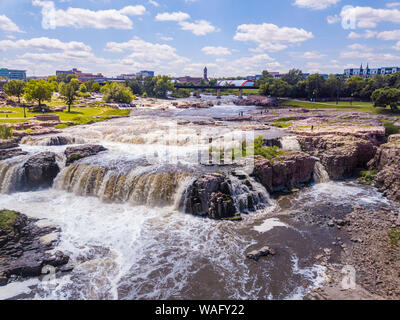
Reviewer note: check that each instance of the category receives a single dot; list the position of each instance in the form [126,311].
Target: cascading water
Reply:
[135,186]
[320,174]
[248,195]
[10,175]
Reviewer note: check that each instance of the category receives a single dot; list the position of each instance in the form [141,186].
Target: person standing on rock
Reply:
[312,128]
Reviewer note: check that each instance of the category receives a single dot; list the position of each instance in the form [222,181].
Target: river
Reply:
[124,229]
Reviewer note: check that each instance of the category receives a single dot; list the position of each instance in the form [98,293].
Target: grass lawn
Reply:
[78,115]
[357,106]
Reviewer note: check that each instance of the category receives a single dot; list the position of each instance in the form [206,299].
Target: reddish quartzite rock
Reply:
[387,162]
[292,170]
[340,155]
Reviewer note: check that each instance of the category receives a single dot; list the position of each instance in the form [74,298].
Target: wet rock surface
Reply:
[39,171]
[291,171]
[9,153]
[263,252]
[23,249]
[8,144]
[75,153]
[210,196]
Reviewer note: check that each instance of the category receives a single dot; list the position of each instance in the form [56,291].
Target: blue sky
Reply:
[180,37]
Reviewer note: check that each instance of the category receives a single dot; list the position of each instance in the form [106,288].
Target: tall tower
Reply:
[205,74]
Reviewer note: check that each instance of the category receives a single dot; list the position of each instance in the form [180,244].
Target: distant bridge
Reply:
[218,88]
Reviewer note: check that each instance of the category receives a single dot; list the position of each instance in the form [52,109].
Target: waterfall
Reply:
[10,175]
[247,194]
[290,143]
[320,174]
[133,186]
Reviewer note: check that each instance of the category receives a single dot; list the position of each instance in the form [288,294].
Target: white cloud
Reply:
[357,46]
[270,37]
[368,34]
[154,3]
[7,25]
[218,51]
[173,16]
[315,4]
[367,17]
[42,44]
[393,4]
[199,27]
[389,35]
[312,55]
[84,18]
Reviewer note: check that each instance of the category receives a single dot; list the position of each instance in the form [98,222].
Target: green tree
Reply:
[293,76]
[117,92]
[149,84]
[315,85]
[39,90]
[69,93]
[95,87]
[136,86]
[386,96]
[163,84]
[15,88]
[83,88]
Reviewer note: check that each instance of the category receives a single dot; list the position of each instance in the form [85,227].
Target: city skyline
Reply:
[180,37]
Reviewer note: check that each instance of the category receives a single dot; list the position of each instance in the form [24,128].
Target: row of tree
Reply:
[42,90]
[294,84]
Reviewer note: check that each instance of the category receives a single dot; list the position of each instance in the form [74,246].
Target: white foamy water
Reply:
[269,224]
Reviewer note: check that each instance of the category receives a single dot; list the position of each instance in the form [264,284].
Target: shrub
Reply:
[390,128]
[394,236]
[269,153]
[5,132]
[7,219]
[367,177]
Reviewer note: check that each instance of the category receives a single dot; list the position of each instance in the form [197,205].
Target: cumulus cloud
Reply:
[199,27]
[143,54]
[368,34]
[85,18]
[43,43]
[270,37]
[217,51]
[312,55]
[367,17]
[7,25]
[173,16]
[315,4]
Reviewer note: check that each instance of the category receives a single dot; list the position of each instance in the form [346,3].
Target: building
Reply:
[81,75]
[195,81]
[13,74]
[145,74]
[369,72]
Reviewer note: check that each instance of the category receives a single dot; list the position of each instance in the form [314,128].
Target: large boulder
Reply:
[75,153]
[291,170]
[340,155]
[39,171]
[209,196]
[387,164]
[23,252]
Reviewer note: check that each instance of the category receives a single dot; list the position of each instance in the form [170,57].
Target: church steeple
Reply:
[361,68]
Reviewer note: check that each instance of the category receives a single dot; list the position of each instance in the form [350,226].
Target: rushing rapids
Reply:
[123,214]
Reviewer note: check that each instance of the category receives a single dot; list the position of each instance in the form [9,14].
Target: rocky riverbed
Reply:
[129,198]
